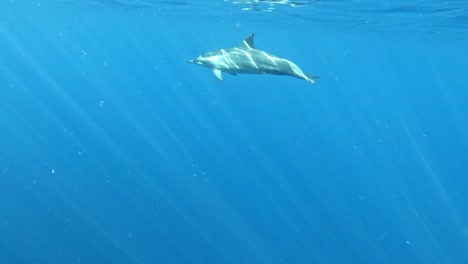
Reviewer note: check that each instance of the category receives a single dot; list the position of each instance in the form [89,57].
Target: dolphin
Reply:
[248,60]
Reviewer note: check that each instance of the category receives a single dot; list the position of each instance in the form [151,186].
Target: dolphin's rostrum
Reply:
[246,59]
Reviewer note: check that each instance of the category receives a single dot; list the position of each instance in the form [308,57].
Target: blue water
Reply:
[114,150]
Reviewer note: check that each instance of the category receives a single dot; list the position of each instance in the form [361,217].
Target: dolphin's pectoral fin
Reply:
[232,73]
[218,74]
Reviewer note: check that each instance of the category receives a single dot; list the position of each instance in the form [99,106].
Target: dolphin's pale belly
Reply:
[258,68]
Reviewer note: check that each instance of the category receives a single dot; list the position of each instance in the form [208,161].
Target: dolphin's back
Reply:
[237,60]
[253,61]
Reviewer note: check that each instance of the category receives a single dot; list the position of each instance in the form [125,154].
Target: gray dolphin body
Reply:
[248,60]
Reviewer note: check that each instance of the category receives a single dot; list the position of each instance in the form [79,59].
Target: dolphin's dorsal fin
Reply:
[248,42]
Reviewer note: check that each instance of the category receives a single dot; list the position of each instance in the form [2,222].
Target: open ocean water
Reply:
[114,150]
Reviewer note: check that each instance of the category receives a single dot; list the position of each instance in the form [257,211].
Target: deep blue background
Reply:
[114,150]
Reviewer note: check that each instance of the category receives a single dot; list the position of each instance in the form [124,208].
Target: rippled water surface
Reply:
[433,17]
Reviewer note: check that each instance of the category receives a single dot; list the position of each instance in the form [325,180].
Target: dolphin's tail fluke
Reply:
[310,79]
